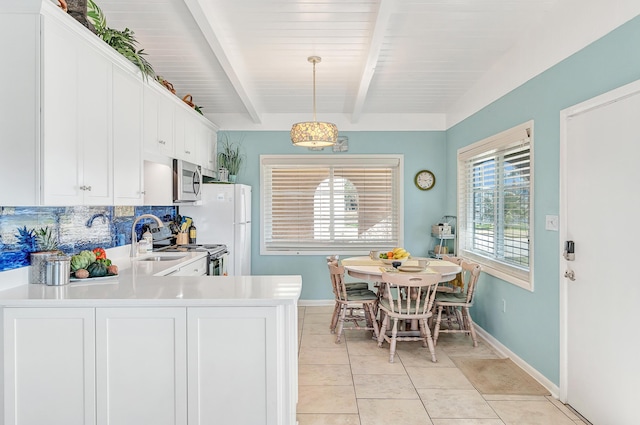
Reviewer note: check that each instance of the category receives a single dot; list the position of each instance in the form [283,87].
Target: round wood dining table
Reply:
[371,270]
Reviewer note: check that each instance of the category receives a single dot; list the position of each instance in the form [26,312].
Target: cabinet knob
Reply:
[89,188]
[187,152]
[162,142]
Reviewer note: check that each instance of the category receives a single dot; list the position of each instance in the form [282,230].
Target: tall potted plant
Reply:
[230,158]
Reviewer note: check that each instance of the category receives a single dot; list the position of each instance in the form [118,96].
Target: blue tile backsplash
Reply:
[74,228]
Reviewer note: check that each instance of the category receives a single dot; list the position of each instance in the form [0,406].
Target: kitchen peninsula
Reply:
[146,348]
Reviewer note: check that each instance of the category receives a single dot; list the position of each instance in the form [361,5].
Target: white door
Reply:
[600,171]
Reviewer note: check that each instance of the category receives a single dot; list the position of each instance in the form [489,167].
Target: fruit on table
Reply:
[395,254]
[112,269]
[400,253]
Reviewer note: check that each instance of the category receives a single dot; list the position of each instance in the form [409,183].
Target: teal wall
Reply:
[421,150]
[530,326]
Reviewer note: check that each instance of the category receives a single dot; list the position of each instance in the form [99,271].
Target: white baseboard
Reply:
[497,345]
[316,303]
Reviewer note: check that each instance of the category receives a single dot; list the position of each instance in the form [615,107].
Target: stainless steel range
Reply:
[217,255]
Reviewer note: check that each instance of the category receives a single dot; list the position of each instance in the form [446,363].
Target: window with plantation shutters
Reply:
[319,204]
[495,204]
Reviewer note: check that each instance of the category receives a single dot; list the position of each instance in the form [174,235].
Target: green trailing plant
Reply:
[230,156]
[95,16]
[124,42]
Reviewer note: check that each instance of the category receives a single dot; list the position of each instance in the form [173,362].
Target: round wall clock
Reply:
[425,180]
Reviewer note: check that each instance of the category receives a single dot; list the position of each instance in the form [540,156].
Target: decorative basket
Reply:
[167,85]
[188,99]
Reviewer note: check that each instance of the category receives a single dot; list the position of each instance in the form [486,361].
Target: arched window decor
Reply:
[318,204]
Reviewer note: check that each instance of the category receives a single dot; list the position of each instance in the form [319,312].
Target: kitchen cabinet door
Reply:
[158,123]
[141,366]
[49,366]
[234,366]
[76,160]
[206,147]
[127,138]
[185,135]
[94,126]
[194,268]
[61,154]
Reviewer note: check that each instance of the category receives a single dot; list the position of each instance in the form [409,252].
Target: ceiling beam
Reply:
[233,70]
[375,45]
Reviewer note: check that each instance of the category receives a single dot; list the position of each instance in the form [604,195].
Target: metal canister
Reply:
[58,270]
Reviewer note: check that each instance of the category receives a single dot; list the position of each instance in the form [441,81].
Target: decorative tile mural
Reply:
[24,230]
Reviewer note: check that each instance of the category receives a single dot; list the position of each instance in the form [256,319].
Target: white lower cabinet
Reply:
[149,365]
[49,366]
[194,268]
[141,366]
[232,366]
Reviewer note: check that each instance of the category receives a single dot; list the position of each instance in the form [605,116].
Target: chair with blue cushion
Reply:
[357,306]
[454,306]
[351,286]
[407,297]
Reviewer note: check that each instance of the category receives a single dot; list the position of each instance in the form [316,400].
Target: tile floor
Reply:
[353,383]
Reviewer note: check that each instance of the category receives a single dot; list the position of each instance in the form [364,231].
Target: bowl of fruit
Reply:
[395,255]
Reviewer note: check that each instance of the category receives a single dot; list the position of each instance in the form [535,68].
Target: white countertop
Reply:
[139,283]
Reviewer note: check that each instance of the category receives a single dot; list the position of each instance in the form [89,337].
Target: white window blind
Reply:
[496,204]
[317,204]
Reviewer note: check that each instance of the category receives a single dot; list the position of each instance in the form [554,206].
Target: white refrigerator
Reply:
[224,217]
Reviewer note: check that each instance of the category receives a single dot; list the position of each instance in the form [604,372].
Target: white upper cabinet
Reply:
[77,122]
[76,153]
[127,138]
[185,135]
[158,123]
[206,150]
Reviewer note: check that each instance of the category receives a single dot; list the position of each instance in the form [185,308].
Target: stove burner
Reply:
[211,249]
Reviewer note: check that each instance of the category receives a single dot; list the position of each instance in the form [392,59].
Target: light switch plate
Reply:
[551,222]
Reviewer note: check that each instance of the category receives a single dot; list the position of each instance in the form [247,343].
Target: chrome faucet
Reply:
[134,237]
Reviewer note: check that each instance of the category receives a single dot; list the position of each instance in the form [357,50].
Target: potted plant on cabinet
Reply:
[230,158]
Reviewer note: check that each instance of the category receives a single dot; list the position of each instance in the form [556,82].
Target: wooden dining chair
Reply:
[408,297]
[452,259]
[454,306]
[456,284]
[352,287]
[351,303]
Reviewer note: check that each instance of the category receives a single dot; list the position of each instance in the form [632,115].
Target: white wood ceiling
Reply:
[249,57]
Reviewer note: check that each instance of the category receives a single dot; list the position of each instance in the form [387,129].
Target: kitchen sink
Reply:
[163,258]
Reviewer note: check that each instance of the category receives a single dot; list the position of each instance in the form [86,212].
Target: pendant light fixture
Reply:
[314,134]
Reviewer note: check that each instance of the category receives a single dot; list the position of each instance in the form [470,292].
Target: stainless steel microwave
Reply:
[187,181]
